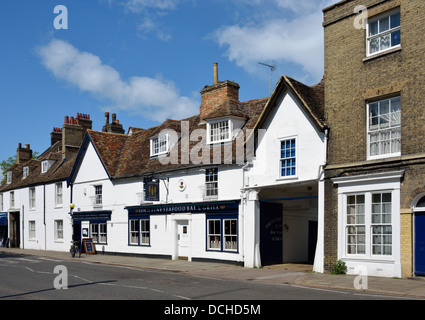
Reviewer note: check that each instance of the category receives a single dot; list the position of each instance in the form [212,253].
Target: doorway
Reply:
[419,242]
[183,242]
[15,230]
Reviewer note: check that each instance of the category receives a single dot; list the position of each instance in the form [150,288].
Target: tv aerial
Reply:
[272,69]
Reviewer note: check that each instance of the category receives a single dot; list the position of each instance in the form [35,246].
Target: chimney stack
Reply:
[114,126]
[213,97]
[73,131]
[55,136]
[23,154]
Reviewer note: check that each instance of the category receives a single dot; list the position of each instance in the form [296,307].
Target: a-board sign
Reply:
[88,247]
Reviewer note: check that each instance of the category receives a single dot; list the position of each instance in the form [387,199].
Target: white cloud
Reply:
[285,31]
[139,5]
[154,98]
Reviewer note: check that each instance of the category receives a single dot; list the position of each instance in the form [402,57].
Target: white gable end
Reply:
[287,121]
[90,168]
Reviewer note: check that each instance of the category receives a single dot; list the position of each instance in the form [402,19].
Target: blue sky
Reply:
[145,60]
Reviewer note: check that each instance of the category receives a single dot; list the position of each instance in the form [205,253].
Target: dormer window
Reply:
[9,177]
[219,131]
[45,165]
[159,145]
[26,172]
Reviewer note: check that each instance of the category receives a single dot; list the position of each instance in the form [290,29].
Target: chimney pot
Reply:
[215,73]
[72,120]
[66,119]
[106,118]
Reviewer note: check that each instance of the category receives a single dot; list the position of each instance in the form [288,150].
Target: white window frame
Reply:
[219,135]
[44,166]
[59,230]
[387,182]
[12,199]
[231,245]
[32,198]
[215,234]
[211,183]
[31,230]
[378,19]
[394,129]
[9,177]
[99,232]
[98,195]
[289,158]
[59,194]
[159,145]
[25,172]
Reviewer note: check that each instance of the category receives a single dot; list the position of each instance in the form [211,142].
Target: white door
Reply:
[183,238]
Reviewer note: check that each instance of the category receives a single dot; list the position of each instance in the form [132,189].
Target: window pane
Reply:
[214,234]
[395,38]
[373,28]
[395,20]
[384,24]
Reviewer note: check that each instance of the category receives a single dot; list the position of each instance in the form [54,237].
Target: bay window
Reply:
[368,224]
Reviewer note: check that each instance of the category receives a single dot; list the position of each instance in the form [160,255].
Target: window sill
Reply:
[381,54]
[391,156]
[288,178]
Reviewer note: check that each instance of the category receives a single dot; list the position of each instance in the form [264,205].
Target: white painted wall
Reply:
[119,194]
[287,120]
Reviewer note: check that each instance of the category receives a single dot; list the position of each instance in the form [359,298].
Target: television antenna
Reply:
[272,69]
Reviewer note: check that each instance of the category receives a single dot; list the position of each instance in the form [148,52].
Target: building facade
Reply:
[209,187]
[34,201]
[373,100]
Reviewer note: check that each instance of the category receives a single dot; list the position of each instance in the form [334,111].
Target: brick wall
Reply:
[352,80]
[212,97]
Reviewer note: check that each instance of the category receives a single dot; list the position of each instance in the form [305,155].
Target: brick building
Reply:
[374,73]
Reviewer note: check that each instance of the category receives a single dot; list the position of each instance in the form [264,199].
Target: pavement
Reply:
[284,274]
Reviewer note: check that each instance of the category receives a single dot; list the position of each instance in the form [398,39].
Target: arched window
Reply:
[421,203]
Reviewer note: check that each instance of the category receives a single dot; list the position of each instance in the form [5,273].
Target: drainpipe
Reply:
[319,255]
[44,216]
[243,203]
[23,228]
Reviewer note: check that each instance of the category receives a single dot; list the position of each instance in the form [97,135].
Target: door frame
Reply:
[177,219]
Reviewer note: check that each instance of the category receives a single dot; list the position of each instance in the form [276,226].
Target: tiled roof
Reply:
[128,155]
[59,171]
[310,98]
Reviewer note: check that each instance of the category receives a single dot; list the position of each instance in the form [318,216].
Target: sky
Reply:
[145,60]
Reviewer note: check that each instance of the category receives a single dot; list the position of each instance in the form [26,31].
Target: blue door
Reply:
[420,244]
[271,245]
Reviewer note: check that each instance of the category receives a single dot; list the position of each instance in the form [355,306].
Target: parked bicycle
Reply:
[75,249]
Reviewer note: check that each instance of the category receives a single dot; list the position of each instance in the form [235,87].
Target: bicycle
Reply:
[75,249]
